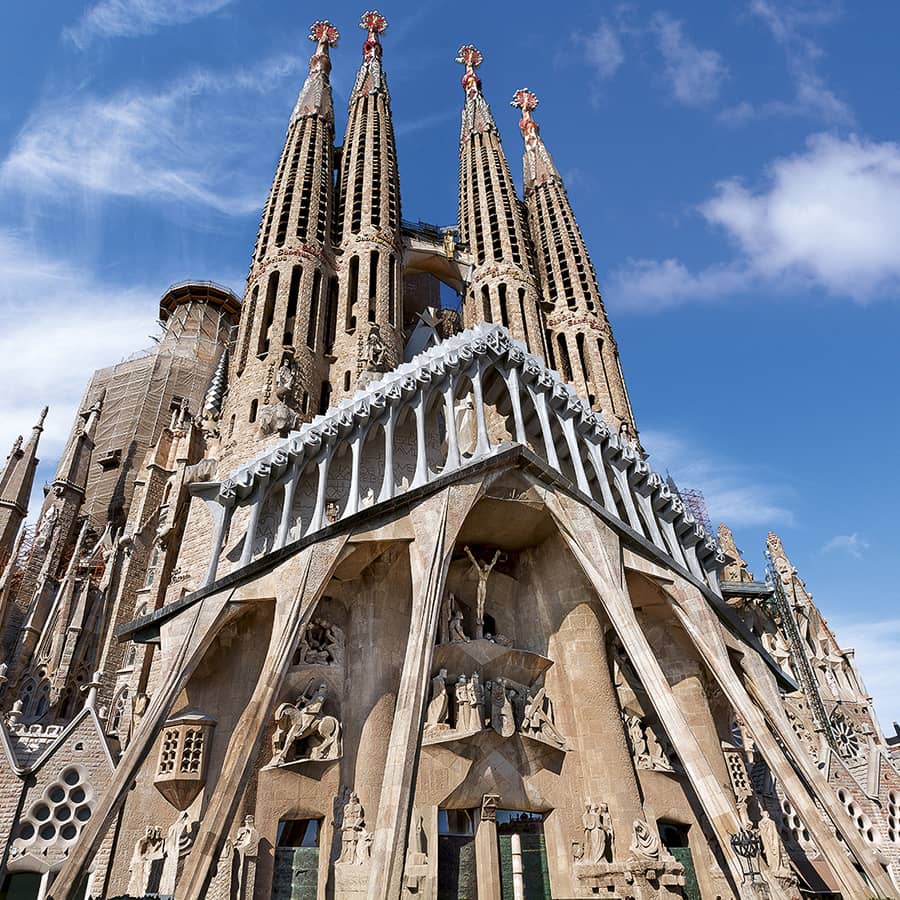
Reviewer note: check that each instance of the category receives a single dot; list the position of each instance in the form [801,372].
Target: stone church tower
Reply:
[349,603]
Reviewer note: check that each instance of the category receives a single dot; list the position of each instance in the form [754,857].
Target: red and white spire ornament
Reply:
[538,164]
[369,79]
[476,117]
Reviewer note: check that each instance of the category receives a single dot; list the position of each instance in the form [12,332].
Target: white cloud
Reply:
[59,322]
[851,544]
[695,74]
[131,18]
[651,285]
[827,217]
[735,493]
[877,646]
[165,144]
[603,50]
[788,24]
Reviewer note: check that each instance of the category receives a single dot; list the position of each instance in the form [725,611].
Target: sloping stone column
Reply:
[701,626]
[436,523]
[292,614]
[199,628]
[594,551]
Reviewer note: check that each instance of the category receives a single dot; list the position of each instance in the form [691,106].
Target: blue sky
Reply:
[734,168]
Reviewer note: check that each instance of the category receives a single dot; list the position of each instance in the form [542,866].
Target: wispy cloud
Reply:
[49,306]
[851,544]
[602,49]
[877,646]
[789,24]
[132,18]
[827,217]
[152,144]
[735,493]
[694,74]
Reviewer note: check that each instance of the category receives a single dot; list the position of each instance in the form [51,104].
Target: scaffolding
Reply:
[695,502]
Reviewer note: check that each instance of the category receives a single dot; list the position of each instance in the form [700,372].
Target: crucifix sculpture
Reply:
[484,572]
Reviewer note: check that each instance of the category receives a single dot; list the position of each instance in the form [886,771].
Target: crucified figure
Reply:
[484,572]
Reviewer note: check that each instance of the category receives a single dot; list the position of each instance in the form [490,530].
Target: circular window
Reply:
[56,794]
[26,832]
[63,813]
[71,777]
[83,813]
[47,832]
[42,812]
[77,795]
[69,832]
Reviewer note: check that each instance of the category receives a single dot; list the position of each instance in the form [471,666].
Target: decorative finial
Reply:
[43,416]
[525,100]
[471,57]
[323,32]
[375,23]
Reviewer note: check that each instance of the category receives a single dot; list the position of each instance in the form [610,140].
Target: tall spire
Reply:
[502,288]
[15,486]
[368,329]
[580,343]
[279,362]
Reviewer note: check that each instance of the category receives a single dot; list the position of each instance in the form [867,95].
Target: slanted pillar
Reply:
[453,461]
[436,528]
[287,508]
[387,484]
[581,531]
[692,611]
[292,614]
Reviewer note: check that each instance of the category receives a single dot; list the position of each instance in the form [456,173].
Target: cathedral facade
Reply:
[338,593]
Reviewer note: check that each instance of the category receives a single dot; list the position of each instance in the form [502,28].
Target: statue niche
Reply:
[305,732]
[322,644]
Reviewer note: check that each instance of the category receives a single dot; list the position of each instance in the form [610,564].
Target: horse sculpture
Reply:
[305,721]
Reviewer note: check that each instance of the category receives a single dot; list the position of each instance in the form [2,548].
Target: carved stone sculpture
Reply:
[502,715]
[644,843]
[148,852]
[277,419]
[375,350]
[246,846]
[483,571]
[177,845]
[438,708]
[305,733]
[772,846]
[356,841]
[598,834]
[537,721]
[45,529]
[322,644]
[457,635]
[416,868]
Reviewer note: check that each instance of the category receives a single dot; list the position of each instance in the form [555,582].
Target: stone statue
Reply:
[438,708]
[356,842]
[476,703]
[537,720]
[771,845]
[457,635]
[148,851]
[461,698]
[592,849]
[606,827]
[246,845]
[659,757]
[644,844]
[502,715]
[306,722]
[285,378]
[45,530]
[484,572]
[638,739]
[375,350]
[322,644]
[177,845]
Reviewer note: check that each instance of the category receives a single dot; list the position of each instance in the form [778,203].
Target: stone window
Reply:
[863,823]
[54,820]
[183,757]
[894,817]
